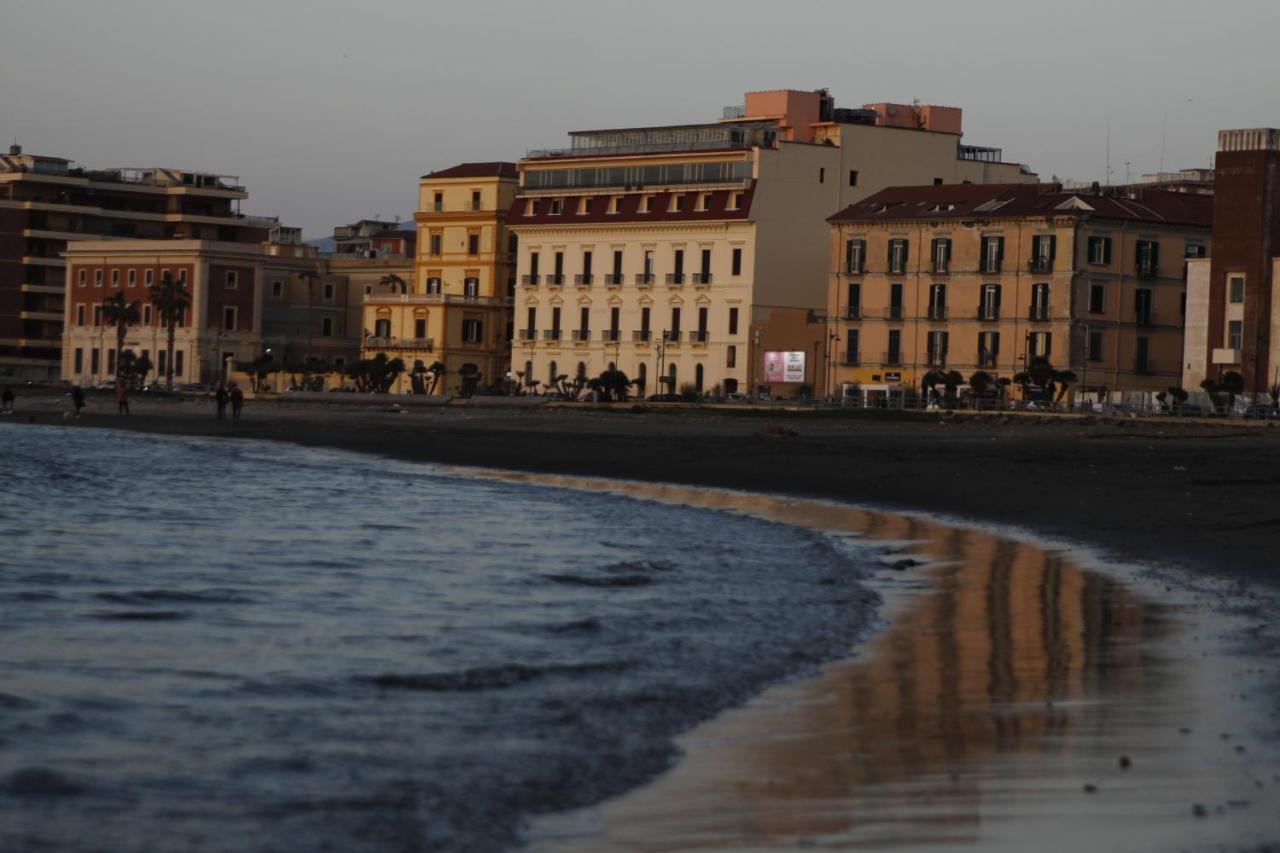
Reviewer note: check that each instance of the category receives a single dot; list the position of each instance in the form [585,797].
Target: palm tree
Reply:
[170,299]
[1064,379]
[610,385]
[120,312]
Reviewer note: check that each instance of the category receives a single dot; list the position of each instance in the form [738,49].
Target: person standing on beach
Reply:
[220,398]
[237,401]
[6,400]
[122,399]
[77,399]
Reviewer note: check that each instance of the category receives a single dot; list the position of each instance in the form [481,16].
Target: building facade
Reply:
[454,307]
[989,277]
[48,204]
[686,255]
[1233,320]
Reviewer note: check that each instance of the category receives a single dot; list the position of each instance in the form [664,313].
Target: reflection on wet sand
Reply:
[1009,679]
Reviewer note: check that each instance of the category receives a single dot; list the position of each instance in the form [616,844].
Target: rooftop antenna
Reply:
[1164,133]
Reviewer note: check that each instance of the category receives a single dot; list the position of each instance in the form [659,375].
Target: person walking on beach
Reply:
[6,400]
[122,399]
[220,398]
[237,401]
[77,399]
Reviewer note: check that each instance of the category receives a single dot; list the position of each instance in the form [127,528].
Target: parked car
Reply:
[1261,412]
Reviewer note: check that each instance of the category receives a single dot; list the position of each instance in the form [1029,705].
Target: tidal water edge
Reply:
[239,645]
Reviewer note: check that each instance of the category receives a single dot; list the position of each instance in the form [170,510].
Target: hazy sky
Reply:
[329,110]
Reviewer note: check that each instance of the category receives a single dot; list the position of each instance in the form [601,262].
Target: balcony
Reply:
[1038,314]
[643,337]
[1143,365]
[384,343]
[1040,265]
[936,359]
[675,279]
[671,338]
[937,312]
[581,336]
[644,279]
[613,279]
[891,359]
[990,267]
[853,312]
[699,337]
[611,335]
[988,314]
[1146,318]
[893,312]
[849,357]
[897,268]
[530,280]
[941,267]
[702,279]
[551,335]
[555,279]
[854,269]
[986,358]
[1147,270]
[527,335]
[584,280]
[429,299]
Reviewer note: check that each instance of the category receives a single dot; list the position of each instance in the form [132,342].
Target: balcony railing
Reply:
[644,279]
[990,267]
[988,314]
[699,337]
[849,357]
[891,359]
[1143,365]
[675,279]
[702,278]
[551,334]
[853,312]
[555,278]
[1146,318]
[1038,314]
[672,338]
[937,312]
[986,359]
[936,359]
[528,335]
[581,336]
[383,342]
[612,335]
[854,269]
[1040,264]
[1147,270]
[643,336]
[941,267]
[530,280]
[583,280]
[613,279]
[893,312]
[430,299]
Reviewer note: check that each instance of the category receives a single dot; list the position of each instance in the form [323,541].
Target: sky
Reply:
[330,110]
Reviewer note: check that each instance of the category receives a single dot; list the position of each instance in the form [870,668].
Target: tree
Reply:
[981,382]
[1232,384]
[1064,378]
[951,382]
[259,369]
[1274,393]
[437,371]
[418,377]
[610,385]
[170,300]
[394,282]
[470,375]
[133,368]
[120,312]
[375,375]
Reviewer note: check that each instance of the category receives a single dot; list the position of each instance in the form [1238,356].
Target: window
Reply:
[989,307]
[1041,344]
[851,347]
[80,314]
[895,301]
[161,361]
[232,281]
[675,322]
[822,174]
[1194,250]
[678,266]
[531,325]
[988,348]
[419,327]
[1235,288]
[936,348]
[584,206]
[648,264]
[704,264]
[472,331]
[115,278]
[937,302]
[615,321]
[617,266]
[677,203]
[854,311]
[557,207]
[645,326]
[437,202]
[328,292]
[1040,301]
[941,254]
[734,202]
[433,285]
[615,204]
[733,321]
[1097,297]
[277,289]
[133,278]
[586,266]
[111,360]
[558,278]
[182,276]
[1095,345]
[471,287]
[893,355]
[1235,334]
[555,322]
[646,204]
[584,321]
[1148,258]
[1142,354]
[83,277]
[736,262]
[146,314]
[854,252]
[853,177]
[1099,250]
[473,244]
[1043,249]
[177,362]
[898,250]
[533,267]
[95,360]
[475,199]
[326,327]
[937,182]
[97,278]
[97,315]
[731,356]
[1142,306]
[79,360]
[992,254]
[435,244]
[698,372]
[149,277]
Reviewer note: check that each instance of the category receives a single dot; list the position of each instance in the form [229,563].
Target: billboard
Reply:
[782,367]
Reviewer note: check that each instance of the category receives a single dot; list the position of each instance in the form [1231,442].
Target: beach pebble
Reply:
[1125,763]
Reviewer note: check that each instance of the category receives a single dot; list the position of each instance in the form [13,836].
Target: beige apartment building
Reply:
[695,254]
[989,277]
[453,306]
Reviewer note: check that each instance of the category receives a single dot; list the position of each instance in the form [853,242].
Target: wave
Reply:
[489,677]
[150,596]
[142,615]
[613,581]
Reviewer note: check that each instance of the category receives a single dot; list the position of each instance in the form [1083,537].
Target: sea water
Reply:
[234,645]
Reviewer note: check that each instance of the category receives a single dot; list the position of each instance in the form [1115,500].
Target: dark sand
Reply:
[1198,495]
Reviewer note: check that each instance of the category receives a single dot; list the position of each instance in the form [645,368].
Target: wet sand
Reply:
[993,712]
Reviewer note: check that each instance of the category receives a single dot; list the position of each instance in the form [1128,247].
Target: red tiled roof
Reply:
[716,209]
[1005,201]
[495,169]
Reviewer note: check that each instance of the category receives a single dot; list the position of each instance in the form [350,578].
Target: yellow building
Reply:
[988,277]
[455,308]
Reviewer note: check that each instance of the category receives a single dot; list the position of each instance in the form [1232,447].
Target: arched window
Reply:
[671,378]
[697,378]
[642,376]
[551,373]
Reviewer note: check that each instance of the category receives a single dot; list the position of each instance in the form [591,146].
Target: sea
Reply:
[215,644]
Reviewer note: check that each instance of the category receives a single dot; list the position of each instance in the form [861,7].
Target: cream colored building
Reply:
[454,306]
[684,254]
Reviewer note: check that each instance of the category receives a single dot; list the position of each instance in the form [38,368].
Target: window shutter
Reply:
[889,262]
[906,254]
[1053,246]
[946,336]
[848,255]
[995,343]
[1155,255]
[1106,250]
[1048,345]
[997,292]
[1000,250]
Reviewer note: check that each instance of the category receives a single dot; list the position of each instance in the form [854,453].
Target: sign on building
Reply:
[781,367]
